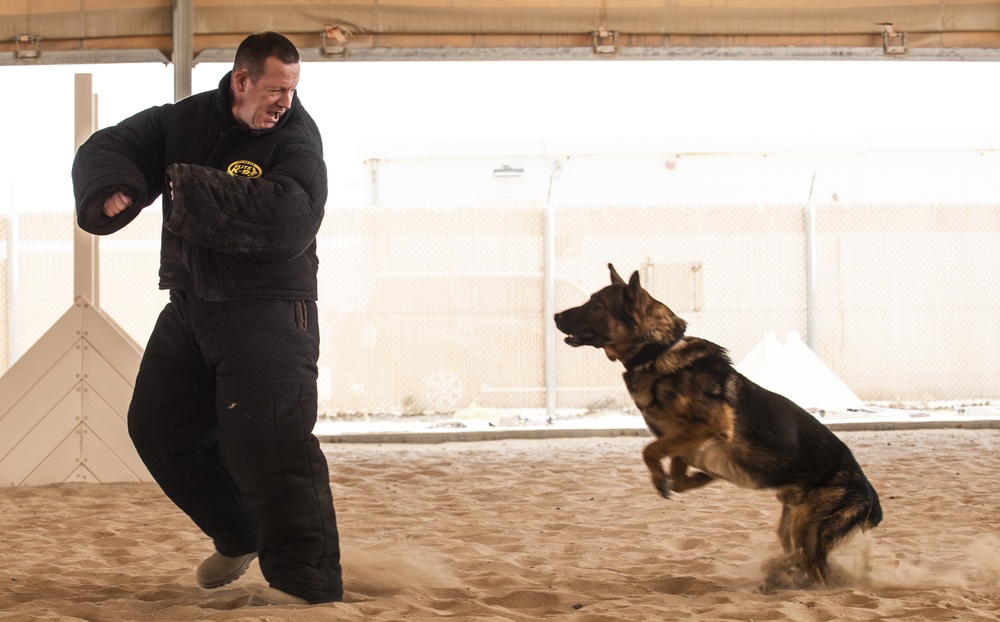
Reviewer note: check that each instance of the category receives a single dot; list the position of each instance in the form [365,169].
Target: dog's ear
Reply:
[636,298]
[616,279]
[633,281]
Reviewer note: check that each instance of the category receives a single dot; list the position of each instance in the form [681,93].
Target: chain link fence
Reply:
[428,309]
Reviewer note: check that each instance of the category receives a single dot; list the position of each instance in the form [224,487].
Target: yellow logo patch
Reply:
[244,168]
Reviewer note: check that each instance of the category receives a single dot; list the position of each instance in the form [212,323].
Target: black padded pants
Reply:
[222,416]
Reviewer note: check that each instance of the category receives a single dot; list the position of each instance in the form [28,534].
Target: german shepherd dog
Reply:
[708,417]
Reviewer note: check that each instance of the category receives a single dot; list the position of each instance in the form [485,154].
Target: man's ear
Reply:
[240,80]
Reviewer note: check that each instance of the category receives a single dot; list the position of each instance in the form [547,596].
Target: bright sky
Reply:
[929,104]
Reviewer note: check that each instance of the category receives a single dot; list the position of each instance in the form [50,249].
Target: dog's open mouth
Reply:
[578,340]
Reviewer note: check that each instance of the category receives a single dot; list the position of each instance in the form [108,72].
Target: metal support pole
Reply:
[85,247]
[809,222]
[183,56]
[549,235]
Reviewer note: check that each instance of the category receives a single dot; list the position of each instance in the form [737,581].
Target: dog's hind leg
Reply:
[784,529]
[800,531]
[816,520]
[801,566]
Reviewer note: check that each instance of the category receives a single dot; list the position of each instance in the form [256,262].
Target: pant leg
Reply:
[265,353]
[172,422]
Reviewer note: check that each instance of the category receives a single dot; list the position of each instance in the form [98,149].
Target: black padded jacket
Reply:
[246,205]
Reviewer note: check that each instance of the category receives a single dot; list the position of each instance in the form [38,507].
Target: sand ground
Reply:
[527,530]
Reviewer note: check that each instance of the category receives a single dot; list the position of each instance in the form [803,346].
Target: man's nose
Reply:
[286,100]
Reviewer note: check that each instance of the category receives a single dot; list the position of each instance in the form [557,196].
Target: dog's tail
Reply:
[857,507]
[861,507]
[874,516]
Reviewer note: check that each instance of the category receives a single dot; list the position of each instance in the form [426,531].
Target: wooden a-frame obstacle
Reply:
[63,403]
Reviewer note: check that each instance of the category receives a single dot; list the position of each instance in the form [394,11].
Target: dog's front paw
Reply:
[664,487]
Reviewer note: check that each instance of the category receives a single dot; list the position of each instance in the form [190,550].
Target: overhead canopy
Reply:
[65,31]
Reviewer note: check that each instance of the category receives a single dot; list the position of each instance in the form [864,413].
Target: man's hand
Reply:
[116,204]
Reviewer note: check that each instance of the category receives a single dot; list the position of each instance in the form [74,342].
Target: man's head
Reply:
[265,75]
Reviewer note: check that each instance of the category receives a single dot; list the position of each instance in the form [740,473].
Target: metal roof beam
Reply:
[85,57]
[369,54]
[364,54]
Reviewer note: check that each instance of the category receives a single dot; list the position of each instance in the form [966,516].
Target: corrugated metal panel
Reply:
[52,26]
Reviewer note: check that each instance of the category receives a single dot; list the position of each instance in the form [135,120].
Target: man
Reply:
[225,400]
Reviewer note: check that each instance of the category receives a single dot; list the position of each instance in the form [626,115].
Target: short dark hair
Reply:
[260,46]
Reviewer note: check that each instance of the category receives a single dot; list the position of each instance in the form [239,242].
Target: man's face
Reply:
[259,105]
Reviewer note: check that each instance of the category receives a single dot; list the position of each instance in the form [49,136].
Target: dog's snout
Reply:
[563,322]
[560,317]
